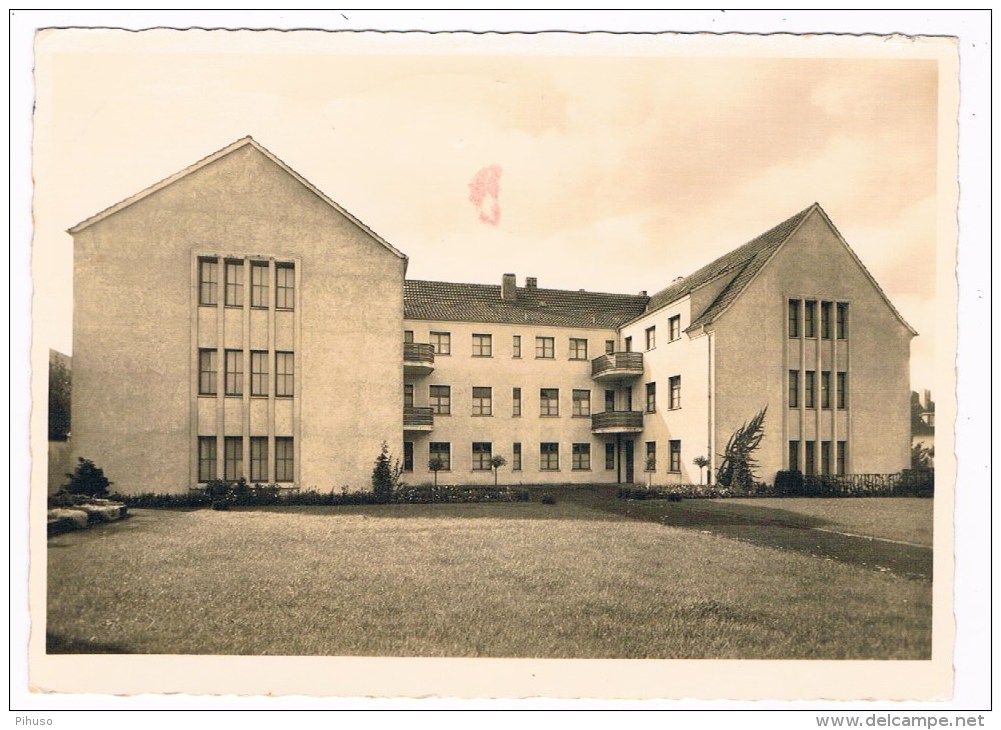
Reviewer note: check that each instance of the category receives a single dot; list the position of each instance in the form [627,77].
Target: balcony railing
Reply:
[617,365]
[617,422]
[418,358]
[418,418]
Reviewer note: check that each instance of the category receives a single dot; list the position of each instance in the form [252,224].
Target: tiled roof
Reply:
[445,301]
[741,264]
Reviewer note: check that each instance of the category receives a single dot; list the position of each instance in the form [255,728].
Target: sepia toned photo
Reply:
[525,365]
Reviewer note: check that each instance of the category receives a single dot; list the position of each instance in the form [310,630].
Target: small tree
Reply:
[497,462]
[385,475]
[701,462]
[651,467]
[921,456]
[87,479]
[436,465]
[737,466]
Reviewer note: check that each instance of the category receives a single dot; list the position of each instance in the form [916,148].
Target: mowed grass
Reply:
[511,580]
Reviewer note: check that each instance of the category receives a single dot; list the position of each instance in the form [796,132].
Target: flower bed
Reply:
[76,512]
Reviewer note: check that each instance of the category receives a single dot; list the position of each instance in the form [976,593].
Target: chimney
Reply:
[531,282]
[509,290]
[642,292]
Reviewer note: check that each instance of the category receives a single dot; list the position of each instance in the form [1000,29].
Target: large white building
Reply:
[232,321]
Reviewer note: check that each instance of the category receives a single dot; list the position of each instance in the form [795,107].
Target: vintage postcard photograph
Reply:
[525,365]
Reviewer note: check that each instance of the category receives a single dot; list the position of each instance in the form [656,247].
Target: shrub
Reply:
[548,499]
[385,476]
[788,483]
[87,479]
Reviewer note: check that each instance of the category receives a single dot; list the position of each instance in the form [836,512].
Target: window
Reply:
[809,318]
[628,342]
[825,389]
[481,456]
[234,458]
[549,457]
[582,403]
[285,286]
[408,395]
[794,317]
[581,457]
[408,337]
[482,346]
[258,459]
[651,397]
[516,457]
[794,456]
[258,372]
[442,452]
[578,349]
[516,346]
[609,347]
[651,456]
[549,402]
[811,389]
[842,321]
[609,456]
[234,283]
[234,372]
[811,457]
[207,370]
[258,284]
[674,399]
[442,343]
[609,400]
[794,388]
[482,401]
[842,457]
[675,456]
[825,457]
[628,392]
[440,397]
[408,456]
[284,459]
[825,320]
[651,337]
[206,459]
[674,328]
[516,402]
[208,281]
[842,390]
[545,348]
[284,374]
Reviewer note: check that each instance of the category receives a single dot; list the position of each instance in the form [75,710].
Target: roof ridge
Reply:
[524,288]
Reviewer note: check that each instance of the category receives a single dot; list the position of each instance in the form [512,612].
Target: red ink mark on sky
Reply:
[484,193]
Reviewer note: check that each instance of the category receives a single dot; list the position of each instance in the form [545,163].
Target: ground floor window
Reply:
[825,457]
[284,459]
[811,458]
[481,456]
[549,457]
[842,457]
[408,456]
[442,452]
[516,457]
[234,458]
[582,457]
[206,458]
[675,456]
[609,456]
[651,456]
[258,459]
[794,456]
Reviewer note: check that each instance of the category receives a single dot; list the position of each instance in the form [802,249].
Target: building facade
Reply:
[228,319]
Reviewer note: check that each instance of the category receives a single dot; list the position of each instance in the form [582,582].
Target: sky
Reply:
[609,164]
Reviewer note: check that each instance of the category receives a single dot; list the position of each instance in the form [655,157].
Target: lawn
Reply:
[500,580]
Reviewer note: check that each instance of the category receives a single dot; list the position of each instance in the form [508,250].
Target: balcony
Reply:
[617,422]
[418,358]
[617,365]
[418,418]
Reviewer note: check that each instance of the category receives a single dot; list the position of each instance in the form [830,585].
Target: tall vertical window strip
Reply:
[284,459]
[545,348]
[794,317]
[825,320]
[259,284]
[516,402]
[842,321]
[441,451]
[234,458]
[408,395]
[809,318]
[811,389]
[675,395]
[441,342]
[482,346]
[674,328]
[825,389]
[675,456]
[284,374]
[258,372]
[206,459]
[842,390]
[651,456]
[482,401]
[794,456]
[208,281]
[440,399]
[516,346]
[581,457]
[234,372]
[578,348]
[825,457]
[516,456]
[609,456]
[481,456]
[651,397]
[234,283]
[811,458]
[794,388]
[842,457]
[207,371]
[285,286]
[258,459]
[582,403]
[549,457]
[549,402]
[408,456]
